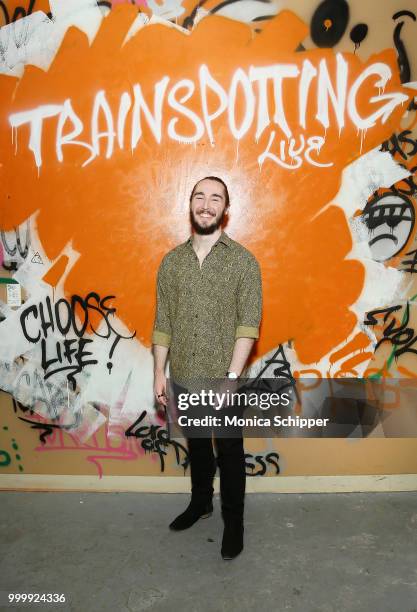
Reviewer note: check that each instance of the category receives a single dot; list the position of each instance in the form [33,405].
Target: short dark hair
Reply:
[213,178]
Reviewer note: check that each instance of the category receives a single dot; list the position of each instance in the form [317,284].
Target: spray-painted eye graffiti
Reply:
[329,22]
[390,221]
[358,33]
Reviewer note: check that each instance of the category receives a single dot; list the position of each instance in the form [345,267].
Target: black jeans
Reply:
[231,461]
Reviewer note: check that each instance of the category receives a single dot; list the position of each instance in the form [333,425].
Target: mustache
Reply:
[205,210]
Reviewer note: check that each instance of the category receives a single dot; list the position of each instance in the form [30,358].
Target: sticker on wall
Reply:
[14,294]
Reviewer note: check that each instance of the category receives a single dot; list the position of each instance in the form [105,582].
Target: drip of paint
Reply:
[363,136]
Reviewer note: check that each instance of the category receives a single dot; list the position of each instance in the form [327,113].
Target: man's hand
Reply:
[160,388]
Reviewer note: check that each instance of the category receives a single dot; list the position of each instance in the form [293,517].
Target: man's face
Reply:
[208,206]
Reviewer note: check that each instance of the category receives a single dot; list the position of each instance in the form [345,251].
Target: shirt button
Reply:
[196,316]
[195,335]
[193,354]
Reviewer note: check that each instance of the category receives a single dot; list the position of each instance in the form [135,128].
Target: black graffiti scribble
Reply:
[46,428]
[104,4]
[274,376]
[262,460]
[51,396]
[401,337]
[408,185]
[188,22]
[63,317]
[403,144]
[410,264]
[156,440]
[403,62]
[12,250]
[19,12]
[402,56]
[371,316]
[78,354]
[277,366]
[51,317]
[19,406]
[329,22]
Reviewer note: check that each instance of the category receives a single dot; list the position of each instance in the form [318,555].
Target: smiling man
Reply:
[209,300]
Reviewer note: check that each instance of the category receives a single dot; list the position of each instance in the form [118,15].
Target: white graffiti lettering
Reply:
[256,99]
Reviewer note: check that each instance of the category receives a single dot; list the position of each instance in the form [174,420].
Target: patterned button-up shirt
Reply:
[202,310]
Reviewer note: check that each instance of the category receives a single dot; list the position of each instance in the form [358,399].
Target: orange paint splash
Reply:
[122,213]
[56,271]
[354,361]
[359,342]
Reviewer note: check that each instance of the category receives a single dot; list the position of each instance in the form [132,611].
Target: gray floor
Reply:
[113,551]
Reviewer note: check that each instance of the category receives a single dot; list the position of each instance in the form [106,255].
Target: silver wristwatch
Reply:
[231,375]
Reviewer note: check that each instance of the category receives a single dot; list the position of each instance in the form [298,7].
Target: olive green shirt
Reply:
[201,311]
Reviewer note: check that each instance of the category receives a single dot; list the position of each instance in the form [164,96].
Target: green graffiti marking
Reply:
[4,458]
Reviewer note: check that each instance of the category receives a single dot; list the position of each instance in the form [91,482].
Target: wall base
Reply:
[180,484]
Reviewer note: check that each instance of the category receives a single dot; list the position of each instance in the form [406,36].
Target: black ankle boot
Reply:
[232,543]
[191,516]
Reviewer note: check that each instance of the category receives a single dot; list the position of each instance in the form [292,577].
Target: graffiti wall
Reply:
[109,113]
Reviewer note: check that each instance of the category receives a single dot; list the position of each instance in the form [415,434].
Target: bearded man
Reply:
[209,301]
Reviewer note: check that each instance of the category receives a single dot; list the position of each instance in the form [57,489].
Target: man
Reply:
[209,300]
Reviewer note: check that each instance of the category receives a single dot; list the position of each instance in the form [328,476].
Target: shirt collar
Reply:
[224,238]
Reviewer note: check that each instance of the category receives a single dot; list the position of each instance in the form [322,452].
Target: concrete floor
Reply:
[305,553]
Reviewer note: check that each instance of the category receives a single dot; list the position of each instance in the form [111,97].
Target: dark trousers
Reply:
[231,461]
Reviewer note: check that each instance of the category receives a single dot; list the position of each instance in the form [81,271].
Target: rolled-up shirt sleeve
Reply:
[162,327]
[249,301]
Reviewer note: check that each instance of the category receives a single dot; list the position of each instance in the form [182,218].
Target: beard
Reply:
[205,230]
